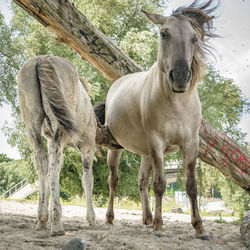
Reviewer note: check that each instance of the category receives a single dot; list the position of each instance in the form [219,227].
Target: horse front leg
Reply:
[88,150]
[143,182]
[189,162]
[113,163]
[156,149]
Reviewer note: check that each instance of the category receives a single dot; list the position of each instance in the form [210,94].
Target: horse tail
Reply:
[51,93]
[99,109]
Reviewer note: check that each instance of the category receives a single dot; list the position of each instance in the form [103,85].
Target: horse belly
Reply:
[129,136]
[136,144]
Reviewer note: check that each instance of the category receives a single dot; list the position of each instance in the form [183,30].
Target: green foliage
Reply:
[116,18]
[220,220]
[234,196]
[4,158]
[223,104]
[10,63]
[17,136]
[70,176]
[9,172]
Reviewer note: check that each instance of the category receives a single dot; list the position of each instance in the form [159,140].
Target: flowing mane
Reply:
[201,18]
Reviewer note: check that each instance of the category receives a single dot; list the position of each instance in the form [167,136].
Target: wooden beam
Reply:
[74,29]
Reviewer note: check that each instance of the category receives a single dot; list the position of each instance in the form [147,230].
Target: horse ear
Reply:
[154,18]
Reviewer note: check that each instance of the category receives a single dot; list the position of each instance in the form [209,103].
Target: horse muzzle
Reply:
[179,79]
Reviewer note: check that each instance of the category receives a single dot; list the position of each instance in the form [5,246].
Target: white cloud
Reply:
[5,9]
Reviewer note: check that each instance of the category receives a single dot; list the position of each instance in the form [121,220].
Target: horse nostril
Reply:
[189,75]
[171,75]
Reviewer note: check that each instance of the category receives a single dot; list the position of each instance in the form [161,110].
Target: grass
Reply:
[123,203]
[220,220]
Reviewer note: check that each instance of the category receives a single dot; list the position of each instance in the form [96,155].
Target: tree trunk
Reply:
[221,152]
[74,29]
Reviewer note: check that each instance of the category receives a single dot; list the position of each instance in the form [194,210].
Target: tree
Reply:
[9,172]
[223,104]
[10,59]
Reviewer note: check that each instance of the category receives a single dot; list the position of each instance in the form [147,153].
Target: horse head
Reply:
[182,44]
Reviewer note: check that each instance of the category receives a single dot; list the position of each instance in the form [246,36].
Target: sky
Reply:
[232,53]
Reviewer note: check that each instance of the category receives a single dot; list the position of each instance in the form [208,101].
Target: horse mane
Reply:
[201,18]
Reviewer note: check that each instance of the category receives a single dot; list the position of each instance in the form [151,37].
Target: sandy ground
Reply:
[17,222]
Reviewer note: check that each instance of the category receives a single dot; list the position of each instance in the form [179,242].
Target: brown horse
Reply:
[158,112]
[54,103]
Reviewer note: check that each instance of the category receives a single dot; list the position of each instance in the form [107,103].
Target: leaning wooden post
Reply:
[74,29]
[221,152]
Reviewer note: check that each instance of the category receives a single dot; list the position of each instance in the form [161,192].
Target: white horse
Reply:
[158,112]
[55,104]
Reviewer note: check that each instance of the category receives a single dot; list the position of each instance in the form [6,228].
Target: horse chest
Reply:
[174,126]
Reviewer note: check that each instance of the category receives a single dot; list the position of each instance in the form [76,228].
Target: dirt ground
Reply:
[17,222]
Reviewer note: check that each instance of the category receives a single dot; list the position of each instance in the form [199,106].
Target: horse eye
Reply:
[164,35]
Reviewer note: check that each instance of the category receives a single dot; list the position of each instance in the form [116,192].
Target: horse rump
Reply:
[50,85]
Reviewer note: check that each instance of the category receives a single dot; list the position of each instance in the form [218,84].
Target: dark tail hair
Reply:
[99,109]
[50,87]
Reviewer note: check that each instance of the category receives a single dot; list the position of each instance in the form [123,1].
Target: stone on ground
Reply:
[75,244]
[245,229]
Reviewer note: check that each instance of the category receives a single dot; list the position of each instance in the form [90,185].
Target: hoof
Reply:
[40,226]
[147,222]
[91,218]
[57,229]
[202,236]
[148,226]
[109,223]
[157,227]
[57,233]
[158,223]
[109,219]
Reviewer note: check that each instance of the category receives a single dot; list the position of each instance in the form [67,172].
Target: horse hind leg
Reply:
[143,182]
[41,165]
[55,149]
[87,151]
[33,116]
[113,163]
